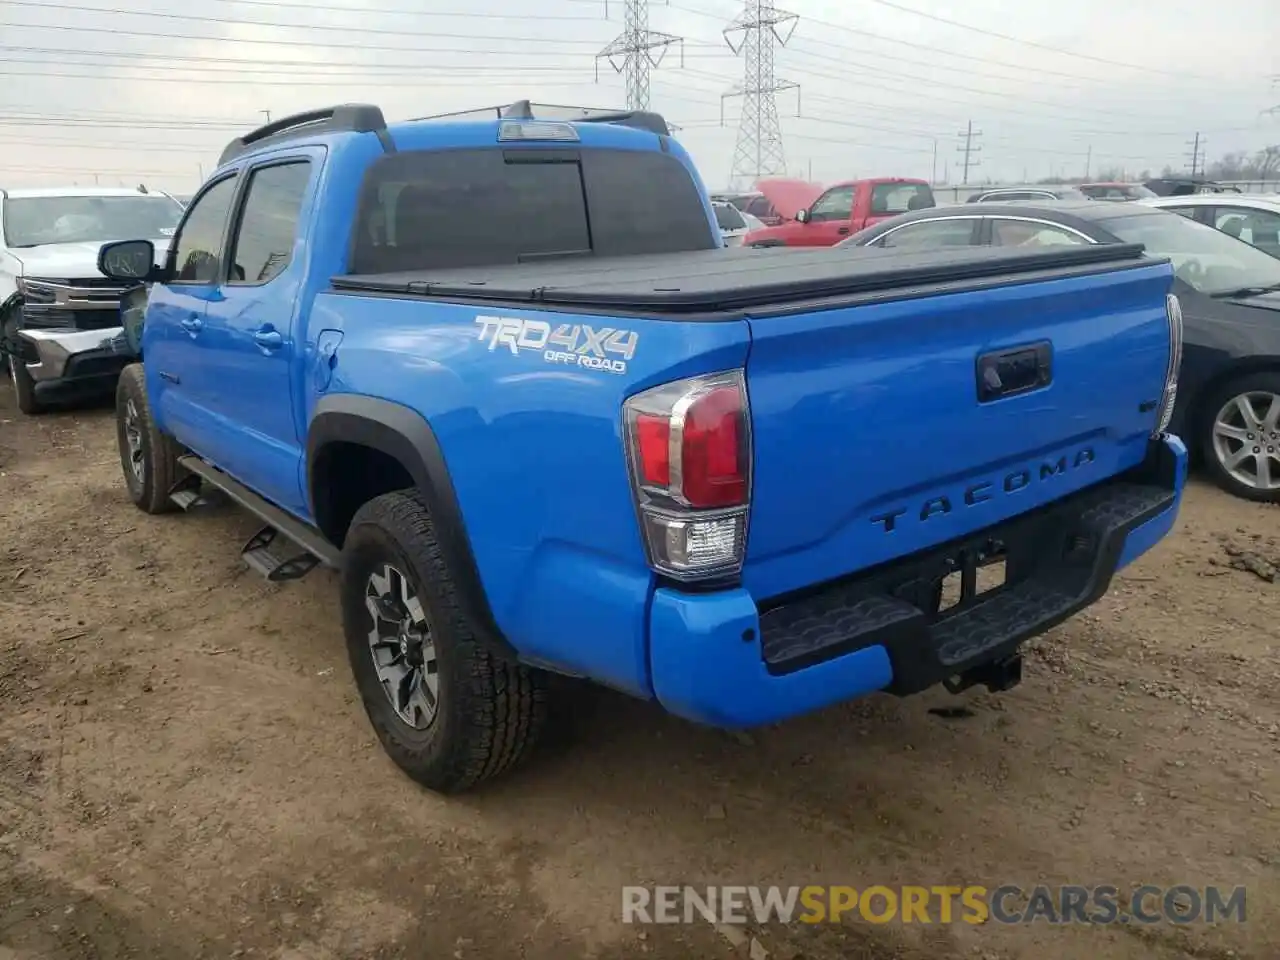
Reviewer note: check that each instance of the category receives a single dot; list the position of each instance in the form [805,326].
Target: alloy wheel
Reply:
[402,647]
[1246,439]
[133,438]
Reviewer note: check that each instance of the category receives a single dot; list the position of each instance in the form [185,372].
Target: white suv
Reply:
[59,316]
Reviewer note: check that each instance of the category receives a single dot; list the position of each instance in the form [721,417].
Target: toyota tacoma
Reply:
[499,372]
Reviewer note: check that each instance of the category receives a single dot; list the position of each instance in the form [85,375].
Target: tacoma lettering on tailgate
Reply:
[986,490]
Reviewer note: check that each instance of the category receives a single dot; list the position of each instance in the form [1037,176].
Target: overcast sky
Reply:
[150,90]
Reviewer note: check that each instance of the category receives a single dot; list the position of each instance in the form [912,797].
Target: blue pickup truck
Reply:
[498,370]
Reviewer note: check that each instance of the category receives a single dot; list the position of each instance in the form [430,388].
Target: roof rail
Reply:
[526,110]
[346,117]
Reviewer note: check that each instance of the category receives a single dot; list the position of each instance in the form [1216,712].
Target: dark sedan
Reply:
[1228,406]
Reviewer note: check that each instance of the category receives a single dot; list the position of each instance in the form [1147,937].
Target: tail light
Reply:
[689,446]
[1173,310]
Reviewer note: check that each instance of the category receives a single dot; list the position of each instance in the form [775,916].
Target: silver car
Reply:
[734,224]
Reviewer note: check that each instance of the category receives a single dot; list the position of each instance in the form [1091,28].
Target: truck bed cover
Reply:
[710,281]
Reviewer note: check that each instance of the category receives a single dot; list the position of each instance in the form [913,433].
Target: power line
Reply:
[424,80]
[331,8]
[115,31]
[274,66]
[969,150]
[639,49]
[245,67]
[932,50]
[758,151]
[1034,44]
[229,21]
[843,62]
[417,71]
[122,123]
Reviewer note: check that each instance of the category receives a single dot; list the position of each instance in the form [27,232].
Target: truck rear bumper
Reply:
[720,659]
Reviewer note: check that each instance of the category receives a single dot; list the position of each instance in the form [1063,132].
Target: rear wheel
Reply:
[1240,437]
[148,457]
[447,710]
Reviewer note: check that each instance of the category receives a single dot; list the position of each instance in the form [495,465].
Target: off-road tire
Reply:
[1268,381]
[490,711]
[24,388]
[160,469]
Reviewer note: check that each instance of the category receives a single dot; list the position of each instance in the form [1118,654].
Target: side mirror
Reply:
[802,216]
[129,261]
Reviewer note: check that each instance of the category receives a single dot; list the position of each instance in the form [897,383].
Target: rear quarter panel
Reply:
[535,452]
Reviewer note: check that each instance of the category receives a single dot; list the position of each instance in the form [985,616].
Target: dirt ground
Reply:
[185,770]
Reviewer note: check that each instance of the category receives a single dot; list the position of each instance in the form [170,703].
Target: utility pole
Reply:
[267,114]
[1088,161]
[969,150]
[758,152]
[933,177]
[635,51]
[1197,153]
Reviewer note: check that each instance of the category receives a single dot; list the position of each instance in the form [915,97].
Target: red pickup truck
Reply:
[814,217]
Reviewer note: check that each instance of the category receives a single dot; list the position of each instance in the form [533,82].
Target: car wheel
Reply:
[148,457]
[1241,437]
[447,710]
[24,388]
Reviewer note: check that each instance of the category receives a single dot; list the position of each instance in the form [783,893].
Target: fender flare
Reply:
[404,434]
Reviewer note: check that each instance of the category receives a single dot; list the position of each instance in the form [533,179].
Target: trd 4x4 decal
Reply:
[574,344]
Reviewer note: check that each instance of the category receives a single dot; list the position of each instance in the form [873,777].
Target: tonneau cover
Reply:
[712,280]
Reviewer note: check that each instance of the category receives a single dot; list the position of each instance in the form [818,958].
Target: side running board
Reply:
[285,549]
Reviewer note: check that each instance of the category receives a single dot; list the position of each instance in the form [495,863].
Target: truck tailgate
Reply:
[883,428]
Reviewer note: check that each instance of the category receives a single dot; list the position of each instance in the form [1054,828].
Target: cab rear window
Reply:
[466,208]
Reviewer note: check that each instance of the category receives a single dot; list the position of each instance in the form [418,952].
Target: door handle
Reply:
[842,231]
[268,338]
[192,324]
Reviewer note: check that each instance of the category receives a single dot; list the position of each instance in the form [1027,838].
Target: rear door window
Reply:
[1261,228]
[728,217]
[465,208]
[1029,233]
[932,234]
[263,245]
[889,199]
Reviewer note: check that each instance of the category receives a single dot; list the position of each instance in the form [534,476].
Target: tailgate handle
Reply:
[1006,373]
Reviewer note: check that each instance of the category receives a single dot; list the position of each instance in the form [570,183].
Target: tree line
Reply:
[1262,165]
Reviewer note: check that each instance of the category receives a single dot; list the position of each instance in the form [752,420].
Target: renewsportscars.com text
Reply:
[1007,904]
